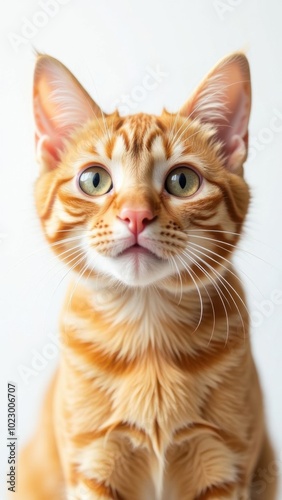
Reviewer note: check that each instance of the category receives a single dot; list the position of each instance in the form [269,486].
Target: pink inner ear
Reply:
[234,134]
[47,151]
[60,106]
[47,138]
[237,111]
[50,135]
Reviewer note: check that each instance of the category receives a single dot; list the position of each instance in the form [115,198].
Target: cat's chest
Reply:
[134,365]
[148,403]
[155,390]
[140,363]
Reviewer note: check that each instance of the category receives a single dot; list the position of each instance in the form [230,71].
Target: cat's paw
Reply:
[224,493]
[82,492]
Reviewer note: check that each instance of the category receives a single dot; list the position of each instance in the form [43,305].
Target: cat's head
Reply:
[143,199]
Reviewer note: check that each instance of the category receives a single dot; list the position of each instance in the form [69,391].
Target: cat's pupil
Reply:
[96,179]
[182,181]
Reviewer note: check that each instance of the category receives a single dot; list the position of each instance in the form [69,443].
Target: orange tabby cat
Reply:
[156,396]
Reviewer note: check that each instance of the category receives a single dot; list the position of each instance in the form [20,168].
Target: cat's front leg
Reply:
[102,468]
[110,468]
[90,477]
[205,468]
[224,492]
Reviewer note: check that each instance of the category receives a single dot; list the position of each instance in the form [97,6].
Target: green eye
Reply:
[182,182]
[95,181]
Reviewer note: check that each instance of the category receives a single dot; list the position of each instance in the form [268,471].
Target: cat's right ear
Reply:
[60,105]
[223,100]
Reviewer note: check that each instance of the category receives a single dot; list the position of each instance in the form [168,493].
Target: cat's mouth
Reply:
[136,250]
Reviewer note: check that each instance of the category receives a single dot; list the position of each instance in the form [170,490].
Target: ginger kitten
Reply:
[156,396]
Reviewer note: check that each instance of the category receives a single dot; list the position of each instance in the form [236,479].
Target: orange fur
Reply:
[157,396]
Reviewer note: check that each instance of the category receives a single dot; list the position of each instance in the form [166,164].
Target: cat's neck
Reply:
[131,321]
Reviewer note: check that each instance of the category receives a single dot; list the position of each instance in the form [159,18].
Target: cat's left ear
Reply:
[60,105]
[223,100]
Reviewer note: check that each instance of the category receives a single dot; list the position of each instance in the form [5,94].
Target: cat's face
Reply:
[143,199]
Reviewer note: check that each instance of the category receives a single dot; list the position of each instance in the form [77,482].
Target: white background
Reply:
[110,46]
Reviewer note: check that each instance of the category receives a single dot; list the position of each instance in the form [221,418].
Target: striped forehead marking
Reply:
[138,133]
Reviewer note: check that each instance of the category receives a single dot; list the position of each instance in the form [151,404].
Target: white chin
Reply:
[133,268]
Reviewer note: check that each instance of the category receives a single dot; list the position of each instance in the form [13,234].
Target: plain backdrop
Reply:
[111,46]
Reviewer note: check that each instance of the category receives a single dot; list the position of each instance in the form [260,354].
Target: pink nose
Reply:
[136,219]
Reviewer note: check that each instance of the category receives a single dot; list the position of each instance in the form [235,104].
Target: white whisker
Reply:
[198,291]
[40,249]
[215,285]
[223,280]
[180,279]
[73,250]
